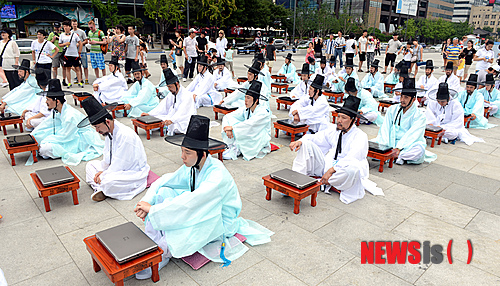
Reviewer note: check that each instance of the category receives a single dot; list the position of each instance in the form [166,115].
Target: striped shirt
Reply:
[453,52]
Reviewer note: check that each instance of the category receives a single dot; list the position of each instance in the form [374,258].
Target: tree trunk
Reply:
[162,29]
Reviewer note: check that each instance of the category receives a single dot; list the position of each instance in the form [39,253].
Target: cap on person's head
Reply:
[57,24]
[192,30]
[455,39]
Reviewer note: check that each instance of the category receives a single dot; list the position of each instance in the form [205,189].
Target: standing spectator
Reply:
[468,54]
[71,41]
[484,58]
[57,59]
[310,51]
[229,58]
[270,54]
[117,40]
[258,40]
[339,46]
[83,56]
[9,57]
[132,52]
[151,42]
[96,39]
[452,53]
[370,51]
[390,52]
[407,54]
[330,47]
[190,54]
[202,44]
[362,49]
[443,51]
[143,55]
[318,48]
[179,47]
[41,51]
[221,44]
[377,46]
[418,55]
[351,47]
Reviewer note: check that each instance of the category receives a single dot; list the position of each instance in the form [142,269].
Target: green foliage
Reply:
[164,12]
[218,10]
[126,20]
[379,35]
[325,21]
[433,30]
[305,19]
[108,10]
[489,29]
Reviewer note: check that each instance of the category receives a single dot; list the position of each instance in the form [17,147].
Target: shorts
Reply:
[179,60]
[460,72]
[269,63]
[57,61]
[455,63]
[466,69]
[362,57]
[84,61]
[390,59]
[71,62]
[97,61]
[128,64]
[229,65]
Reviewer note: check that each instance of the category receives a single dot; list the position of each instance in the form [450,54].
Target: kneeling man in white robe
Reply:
[222,76]
[110,88]
[203,85]
[247,131]
[338,155]
[123,171]
[37,112]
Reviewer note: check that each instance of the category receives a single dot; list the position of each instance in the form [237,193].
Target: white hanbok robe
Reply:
[290,71]
[124,165]
[179,112]
[316,115]
[203,86]
[223,79]
[317,155]
[474,104]
[430,85]
[111,88]
[237,97]
[453,82]
[451,119]
[162,86]
[39,106]
[142,98]
[326,73]
[251,134]
[266,79]
[23,96]
[494,98]
[375,83]
[301,90]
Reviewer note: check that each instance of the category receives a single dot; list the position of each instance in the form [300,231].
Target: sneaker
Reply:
[383,72]
[87,81]
[98,196]
[5,84]
[75,80]
[64,83]
[81,85]
[184,79]
[69,85]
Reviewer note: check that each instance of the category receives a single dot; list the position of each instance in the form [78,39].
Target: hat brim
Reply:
[219,64]
[409,89]
[350,66]
[172,81]
[190,143]
[471,81]
[114,63]
[138,70]
[309,72]
[488,82]
[18,67]
[428,67]
[203,63]
[444,68]
[432,95]
[245,90]
[90,120]
[55,93]
[340,108]
[253,69]
[286,58]
[322,87]
[160,61]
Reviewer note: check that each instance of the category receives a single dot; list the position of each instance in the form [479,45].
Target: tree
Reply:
[489,29]
[325,21]
[218,10]
[108,10]
[164,12]
[348,23]
[305,19]
[126,20]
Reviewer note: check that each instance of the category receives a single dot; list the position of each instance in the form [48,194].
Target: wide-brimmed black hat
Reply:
[136,68]
[25,65]
[255,68]
[289,57]
[259,57]
[196,137]
[203,60]
[472,80]
[54,89]
[42,76]
[350,107]
[375,64]
[350,85]
[253,90]
[429,64]
[449,66]
[305,69]
[311,60]
[95,111]
[220,62]
[322,60]
[114,61]
[317,83]
[490,79]
[409,87]
[442,93]
[403,71]
[163,59]
[349,62]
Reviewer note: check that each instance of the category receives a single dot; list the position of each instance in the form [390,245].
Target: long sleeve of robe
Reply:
[493,97]
[23,96]
[224,79]
[316,115]
[340,85]
[203,86]
[126,175]
[142,98]
[475,104]
[251,134]
[290,71]
[200,220]
[266,80]
[111,88]
[369,104]
[301,90]
[453,82]
[162,86]
[40,106]
[69,142]
[236,98]
[430,85]
[406,135]
[392,78]
[375,84]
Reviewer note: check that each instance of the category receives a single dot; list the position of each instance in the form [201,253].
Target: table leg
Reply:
[278,106]
[21,128]
[216,116]
[293,137]
[135,128]
[35,159]
[4,130]
[313,199]
[124,113]
[432,142]
[268,195]
[279,88]
[219,156]
[439,139]
[161,131]
[74,99]
[75,197]
[391,161]
[12,159]
[15,126]
[148,136]
[97,268]
[113,113]
[296,206]
[46,203]
[381,167]
[119,283]
[277,132]
[156,276]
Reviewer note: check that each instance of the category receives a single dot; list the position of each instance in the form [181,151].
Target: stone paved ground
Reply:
[456,197]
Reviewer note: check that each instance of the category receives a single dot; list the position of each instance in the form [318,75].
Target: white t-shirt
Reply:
[483,53]
[348,46]
[362,44]
[371,46]
[393,46]
[190,45]
[408,55]
[47,50]
[72,49]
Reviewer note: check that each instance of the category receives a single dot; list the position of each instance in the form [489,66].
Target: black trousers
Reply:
[189,67]
[13,79]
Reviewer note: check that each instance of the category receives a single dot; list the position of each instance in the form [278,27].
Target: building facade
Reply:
[441,9]
[462,9]
[485,16]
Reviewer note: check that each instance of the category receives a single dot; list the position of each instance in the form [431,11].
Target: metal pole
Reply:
[135,12]
[187,6]
[294,15]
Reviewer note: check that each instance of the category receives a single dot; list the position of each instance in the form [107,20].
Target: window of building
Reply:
[486,16]
[492,23]
[486,22]
[493,16]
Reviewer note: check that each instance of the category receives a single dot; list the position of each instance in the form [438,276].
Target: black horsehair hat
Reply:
[490,79]
[472,80]
[289,57]
[96,113]
[349,62]
[42,76]
[323,60]
[255,68]
[114,61]
[375,64]
[317,83]
[254,90]
[259,57]
[196,137]
[136,68]
[350,85]
[170,77]
[163,59]
[350,107]
[54,89]
[409,87]
[305,69]
[449,66]
[203,60]
[429,64]
[220,62]
[25,65]
[443,93]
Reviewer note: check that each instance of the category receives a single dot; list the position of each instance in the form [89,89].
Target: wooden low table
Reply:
[467,120]
[227,91]
[435,136]
[218,150]
[334,118]
[101,259]
[279,87]
[336,95]
[218,109]
[241,80]
[120,106]
[46,192]
[296,194]
[487,112]
[389,155]
[147,127]
[385,104]
[279,78]
[388,87]
[5,122]
[283,101]
[33,148]
[290,130]
[78,97]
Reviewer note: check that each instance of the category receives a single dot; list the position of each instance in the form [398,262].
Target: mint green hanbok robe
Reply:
[474,104]
[375,84]
[142,97]
[493,98]
[290,71]
[22,97]
[369,104]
